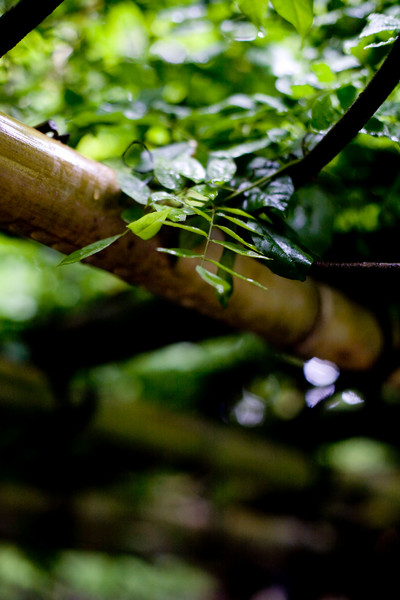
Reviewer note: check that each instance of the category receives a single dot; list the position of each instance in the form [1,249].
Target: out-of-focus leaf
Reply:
[190,168]
[242,149]
[90,249]
[298,12]
[312,218]
[167,175]
[322,113]
[220,285]
[378,23]
[276,195]
[289,259]
[227,261]
[346,95]
[220,170]
[134,187]
[149,225]
[255,10]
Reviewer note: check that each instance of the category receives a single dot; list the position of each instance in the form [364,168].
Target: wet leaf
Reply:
[289,259]
[220,170]
[378,23]
[276,195]
[79,255]
[134,187]
[242,149]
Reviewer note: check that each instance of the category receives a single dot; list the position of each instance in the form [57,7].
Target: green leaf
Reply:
[227,260]
[134,187]
[90,249]
[378,23]
[220,285]
[167,175]
[236,221]
[189,228]
[147,226]
[180,252]
[298,12]
[236,237]
[235,274]
[346,95]
[322,113]
[289,259]
[276,195]
[240,250]
[242,149]
[220,170]
[255,10]
[190,168]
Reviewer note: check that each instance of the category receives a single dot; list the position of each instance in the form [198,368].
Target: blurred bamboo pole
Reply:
[52,194]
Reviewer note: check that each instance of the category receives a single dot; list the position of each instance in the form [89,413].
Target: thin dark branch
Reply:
[21,19]
[356,266]
[371,98]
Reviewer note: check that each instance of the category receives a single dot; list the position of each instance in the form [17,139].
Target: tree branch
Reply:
[21,19]
[371,98]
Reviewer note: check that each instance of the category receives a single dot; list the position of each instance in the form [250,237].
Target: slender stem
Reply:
[371,98]
[21,19]
[208,236]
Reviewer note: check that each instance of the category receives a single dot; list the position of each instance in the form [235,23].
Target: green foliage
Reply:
[206,103]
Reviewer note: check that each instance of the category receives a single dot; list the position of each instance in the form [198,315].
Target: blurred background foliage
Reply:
[149,453]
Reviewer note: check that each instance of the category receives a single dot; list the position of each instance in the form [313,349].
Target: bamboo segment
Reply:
[52,194]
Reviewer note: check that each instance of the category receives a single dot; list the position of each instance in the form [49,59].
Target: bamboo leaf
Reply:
[79,255]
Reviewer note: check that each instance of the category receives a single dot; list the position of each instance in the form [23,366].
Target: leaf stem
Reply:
[213,211]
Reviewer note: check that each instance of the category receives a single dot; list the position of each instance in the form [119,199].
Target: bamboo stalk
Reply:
[52,194]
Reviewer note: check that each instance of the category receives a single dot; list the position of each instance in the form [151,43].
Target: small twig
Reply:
[21,19]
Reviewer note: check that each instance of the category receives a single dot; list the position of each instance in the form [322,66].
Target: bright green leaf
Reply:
[255,10]
[240,250]
[147,226]
[220,285]
[298,12]
[90,249]
[236,237]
